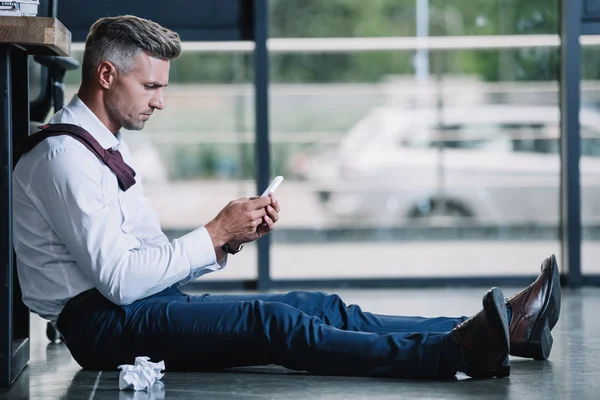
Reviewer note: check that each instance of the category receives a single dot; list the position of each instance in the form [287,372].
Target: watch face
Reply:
[240,247]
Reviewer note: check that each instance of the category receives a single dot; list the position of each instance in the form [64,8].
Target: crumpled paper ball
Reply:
[141,375]
[156,392]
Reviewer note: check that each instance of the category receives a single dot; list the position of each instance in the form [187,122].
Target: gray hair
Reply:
[120,39]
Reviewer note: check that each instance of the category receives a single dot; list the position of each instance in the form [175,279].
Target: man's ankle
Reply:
[451,356]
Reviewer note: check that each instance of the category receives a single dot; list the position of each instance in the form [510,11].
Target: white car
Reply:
[486,164]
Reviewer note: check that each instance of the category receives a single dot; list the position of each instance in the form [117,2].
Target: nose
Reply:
[156,101]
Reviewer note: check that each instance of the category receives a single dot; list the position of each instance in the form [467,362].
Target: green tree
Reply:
[351,18]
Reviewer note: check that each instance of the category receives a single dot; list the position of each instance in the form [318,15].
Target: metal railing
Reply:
[356,44]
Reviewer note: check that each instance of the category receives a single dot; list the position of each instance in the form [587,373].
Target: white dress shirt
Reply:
[74,229]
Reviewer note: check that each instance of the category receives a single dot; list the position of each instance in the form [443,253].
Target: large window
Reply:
[412,159]
[590,162]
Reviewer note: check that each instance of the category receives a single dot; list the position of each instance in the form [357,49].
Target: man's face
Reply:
[132,98]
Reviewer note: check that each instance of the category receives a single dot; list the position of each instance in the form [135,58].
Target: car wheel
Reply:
[436,209]
[324,196]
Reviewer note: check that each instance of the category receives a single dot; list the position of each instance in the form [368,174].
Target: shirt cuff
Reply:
[223,261]
[199,247]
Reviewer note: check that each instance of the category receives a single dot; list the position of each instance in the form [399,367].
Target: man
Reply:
[92,258]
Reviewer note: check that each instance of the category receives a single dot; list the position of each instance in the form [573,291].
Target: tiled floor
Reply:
[572,372]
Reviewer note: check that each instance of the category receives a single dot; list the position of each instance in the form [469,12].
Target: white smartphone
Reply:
[272,186]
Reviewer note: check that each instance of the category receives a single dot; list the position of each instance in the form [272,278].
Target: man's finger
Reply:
[271,212]
[274,203]
[269,221]
[257,222]
[260,202]
[258,214]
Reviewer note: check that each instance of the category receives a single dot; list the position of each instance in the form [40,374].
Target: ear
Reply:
[107,74]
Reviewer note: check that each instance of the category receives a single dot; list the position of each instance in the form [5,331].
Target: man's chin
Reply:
[138,126]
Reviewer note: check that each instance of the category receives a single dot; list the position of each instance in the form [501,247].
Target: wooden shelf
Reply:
[39,35]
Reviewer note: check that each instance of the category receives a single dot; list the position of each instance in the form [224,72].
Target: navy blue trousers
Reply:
[304,331]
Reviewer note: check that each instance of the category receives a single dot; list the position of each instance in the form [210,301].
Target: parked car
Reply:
[486,164]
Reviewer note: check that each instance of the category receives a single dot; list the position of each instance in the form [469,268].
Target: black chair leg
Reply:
[52,333]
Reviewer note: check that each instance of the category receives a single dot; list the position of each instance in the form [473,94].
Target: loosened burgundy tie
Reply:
[112,158]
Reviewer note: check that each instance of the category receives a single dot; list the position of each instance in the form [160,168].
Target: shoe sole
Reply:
[495,308]
[555,297]
[541,343]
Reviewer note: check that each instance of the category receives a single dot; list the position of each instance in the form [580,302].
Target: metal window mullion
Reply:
[262,149]
[570,98]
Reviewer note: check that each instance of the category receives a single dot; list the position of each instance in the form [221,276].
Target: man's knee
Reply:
[267,309]
[314,299]
[279,318]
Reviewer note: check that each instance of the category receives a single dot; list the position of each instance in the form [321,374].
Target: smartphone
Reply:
[272,186]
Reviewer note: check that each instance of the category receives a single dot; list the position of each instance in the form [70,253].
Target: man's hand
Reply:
[269,219]
[243,221]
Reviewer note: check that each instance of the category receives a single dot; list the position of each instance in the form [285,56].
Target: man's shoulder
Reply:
[61,146]
[53,146]
[55,155]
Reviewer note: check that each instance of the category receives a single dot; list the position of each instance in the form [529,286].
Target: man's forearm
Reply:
[217,239]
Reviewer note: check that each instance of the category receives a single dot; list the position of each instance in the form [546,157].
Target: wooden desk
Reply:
[38,35]
[19,37]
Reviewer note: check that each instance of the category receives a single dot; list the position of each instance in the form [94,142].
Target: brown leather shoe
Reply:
[535,311]
[484,339]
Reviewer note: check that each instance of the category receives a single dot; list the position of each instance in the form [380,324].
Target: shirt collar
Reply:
[90,122]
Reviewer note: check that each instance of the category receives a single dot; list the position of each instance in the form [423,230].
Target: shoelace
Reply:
[465,331]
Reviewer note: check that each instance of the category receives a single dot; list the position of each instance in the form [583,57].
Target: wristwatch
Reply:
[230,250]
